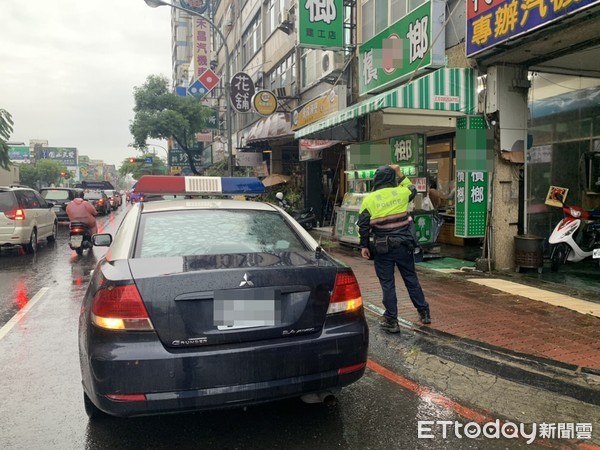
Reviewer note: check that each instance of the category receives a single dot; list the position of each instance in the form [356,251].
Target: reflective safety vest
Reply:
[387,201]
[388,207]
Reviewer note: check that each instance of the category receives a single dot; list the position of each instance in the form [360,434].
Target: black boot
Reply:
[425,316]
[389,325]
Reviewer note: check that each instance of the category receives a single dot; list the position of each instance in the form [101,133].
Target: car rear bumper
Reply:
[202,378]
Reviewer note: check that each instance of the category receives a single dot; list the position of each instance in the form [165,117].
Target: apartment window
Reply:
[251,40]
[284,75]
[274,10]
[377,15]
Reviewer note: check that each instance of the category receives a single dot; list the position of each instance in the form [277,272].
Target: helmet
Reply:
[279,195]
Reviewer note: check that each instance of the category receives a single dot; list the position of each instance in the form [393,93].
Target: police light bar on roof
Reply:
[178,185]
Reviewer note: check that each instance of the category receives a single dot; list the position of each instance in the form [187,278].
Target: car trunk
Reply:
[235,298]
[7,204]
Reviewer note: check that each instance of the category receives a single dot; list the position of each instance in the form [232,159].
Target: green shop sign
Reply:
[423,228]
[321,23]
[471,203]
[412,45]
[409,153]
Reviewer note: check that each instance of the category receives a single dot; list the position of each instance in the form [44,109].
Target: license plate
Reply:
[239,309]
[76,241]
[56,209]
[596,253]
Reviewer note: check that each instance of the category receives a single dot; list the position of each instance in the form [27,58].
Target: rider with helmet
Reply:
[82,211]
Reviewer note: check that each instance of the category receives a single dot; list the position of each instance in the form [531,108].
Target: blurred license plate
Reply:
[245,309]
[56,209]
[76,241]
[596,253]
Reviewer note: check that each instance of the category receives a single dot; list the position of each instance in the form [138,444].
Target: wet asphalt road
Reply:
[41,399]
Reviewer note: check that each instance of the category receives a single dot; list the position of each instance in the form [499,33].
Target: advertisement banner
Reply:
[201,50]
[471,203]
[490,22]
[18,153]
[316,109]
[321,23]
[403,48]
[63,155]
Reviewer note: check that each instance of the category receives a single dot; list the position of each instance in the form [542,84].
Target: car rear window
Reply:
[213,232]
[55,194]
[8,202]
[92,196]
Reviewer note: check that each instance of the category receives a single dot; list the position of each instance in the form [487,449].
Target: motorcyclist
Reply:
[82,211]
[282,202]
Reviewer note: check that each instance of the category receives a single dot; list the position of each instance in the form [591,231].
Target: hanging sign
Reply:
[321,23]
[264,103]
[242,90]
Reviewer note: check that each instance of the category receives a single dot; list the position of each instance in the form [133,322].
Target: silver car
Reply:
[25,218]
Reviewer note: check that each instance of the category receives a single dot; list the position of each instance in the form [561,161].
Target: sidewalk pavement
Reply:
[485,308]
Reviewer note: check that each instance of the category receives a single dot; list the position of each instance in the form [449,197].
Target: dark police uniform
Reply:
[384,215]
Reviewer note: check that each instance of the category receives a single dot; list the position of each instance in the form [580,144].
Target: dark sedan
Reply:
[60,196]
[209,303]
[99,200]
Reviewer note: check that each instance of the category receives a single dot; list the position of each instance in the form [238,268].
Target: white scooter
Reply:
[576,237]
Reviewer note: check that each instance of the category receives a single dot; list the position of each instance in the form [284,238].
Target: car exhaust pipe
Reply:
[328,398]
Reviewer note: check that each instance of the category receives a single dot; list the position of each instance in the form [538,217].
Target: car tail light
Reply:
[350,369]
[346,294]
[101,201]
[120,308]
[15,214]
[127,397]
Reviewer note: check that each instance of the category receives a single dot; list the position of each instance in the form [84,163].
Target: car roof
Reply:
[58,189]
[16,188]
[205,203]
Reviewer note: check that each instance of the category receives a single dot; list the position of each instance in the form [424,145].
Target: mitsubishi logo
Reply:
[246,281]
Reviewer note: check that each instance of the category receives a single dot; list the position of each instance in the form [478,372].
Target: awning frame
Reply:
[452,90]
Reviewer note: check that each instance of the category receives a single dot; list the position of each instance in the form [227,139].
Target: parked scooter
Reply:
[305,217]
[80,237]
[576,237]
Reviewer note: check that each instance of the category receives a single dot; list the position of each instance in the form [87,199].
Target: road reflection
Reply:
[21,297]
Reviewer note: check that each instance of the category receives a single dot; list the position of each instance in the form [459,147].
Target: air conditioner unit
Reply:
[332,63]
[286,17]
[286,20]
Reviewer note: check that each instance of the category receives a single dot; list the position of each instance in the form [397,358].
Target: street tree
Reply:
[49,171]
[138,167]
[28,175]
[159,114]
[6,124]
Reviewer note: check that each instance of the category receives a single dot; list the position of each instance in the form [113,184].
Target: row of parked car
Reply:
[28,216]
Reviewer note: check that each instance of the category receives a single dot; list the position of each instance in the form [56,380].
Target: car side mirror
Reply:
[50,204]
[102,240]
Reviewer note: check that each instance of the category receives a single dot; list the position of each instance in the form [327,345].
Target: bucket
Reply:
[529,251]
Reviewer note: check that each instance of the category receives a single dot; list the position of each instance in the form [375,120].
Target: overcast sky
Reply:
[68,69]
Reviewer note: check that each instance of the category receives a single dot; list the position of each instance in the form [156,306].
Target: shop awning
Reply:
[276,126]
[452,90]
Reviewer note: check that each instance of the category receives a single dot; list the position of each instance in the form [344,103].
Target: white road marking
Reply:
[19,315]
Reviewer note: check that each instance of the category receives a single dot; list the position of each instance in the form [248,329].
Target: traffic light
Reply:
[133,160]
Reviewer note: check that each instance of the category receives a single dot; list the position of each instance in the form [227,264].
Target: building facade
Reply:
[497,97]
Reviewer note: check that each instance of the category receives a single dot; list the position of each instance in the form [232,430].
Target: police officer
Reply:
[384,215]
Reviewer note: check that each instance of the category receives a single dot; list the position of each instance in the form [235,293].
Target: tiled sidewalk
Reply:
[466,309]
